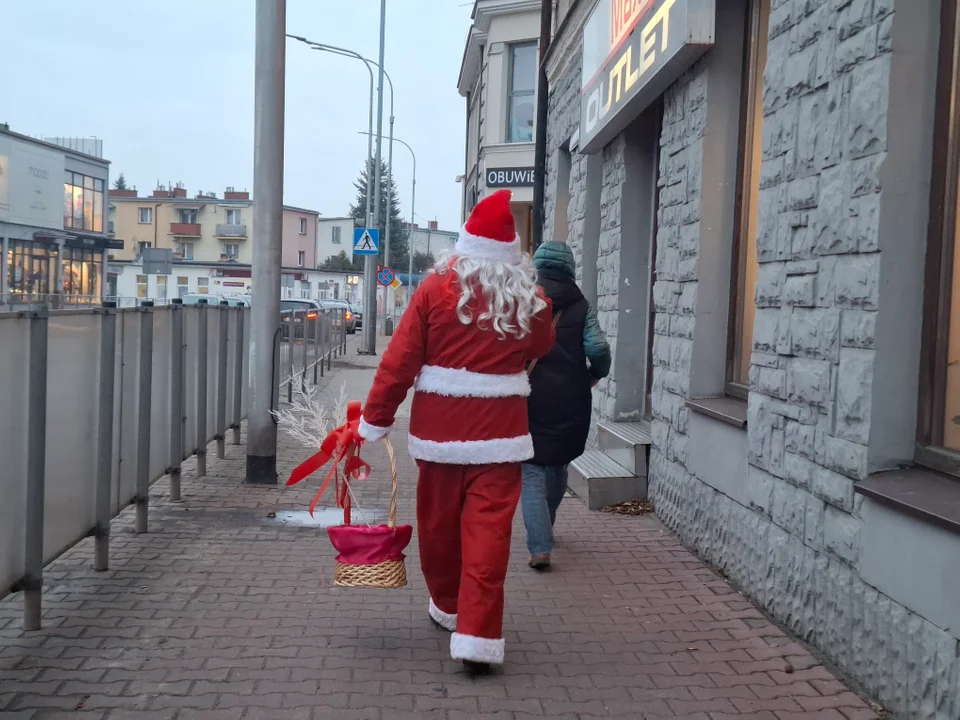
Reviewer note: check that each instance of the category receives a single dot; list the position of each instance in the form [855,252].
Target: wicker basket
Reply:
[388,574]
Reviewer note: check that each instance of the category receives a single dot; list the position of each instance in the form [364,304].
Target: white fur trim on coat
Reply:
[478,649]
[472,452]
[373,432]
[470,244]
[447,620]
[454,382]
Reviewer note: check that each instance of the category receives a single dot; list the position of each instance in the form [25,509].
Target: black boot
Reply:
[476,669]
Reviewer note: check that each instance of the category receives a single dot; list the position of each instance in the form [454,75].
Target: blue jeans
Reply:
[543,489]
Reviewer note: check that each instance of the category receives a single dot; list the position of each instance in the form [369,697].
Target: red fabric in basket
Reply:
[363,545]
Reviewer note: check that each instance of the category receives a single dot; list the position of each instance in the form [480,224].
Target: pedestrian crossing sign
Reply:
[366,241]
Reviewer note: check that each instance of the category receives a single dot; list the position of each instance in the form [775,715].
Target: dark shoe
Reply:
[437,625]
[476,669]
[540,562]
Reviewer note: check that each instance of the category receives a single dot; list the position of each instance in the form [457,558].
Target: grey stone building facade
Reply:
[764,219]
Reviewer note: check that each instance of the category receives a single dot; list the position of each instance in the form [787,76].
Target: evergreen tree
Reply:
[422,262]
[399,247]
[120,183]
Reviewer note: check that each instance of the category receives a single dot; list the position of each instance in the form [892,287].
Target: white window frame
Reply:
[235,253]
[303,226]
[145,212]
[335,235]
[301,258]
[234,217]
[512,48]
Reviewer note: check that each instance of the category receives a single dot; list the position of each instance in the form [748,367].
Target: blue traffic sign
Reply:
[366,241]
[385,275]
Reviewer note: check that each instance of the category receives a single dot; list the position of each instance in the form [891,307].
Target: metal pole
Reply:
[108,344]
[306,344]
[317,325]
[268,219]
[143,414]
[343,331]
[202,343]
[370,264]
[177,397]
[290,345]
[222,381]
[540,141]
[32,583]
[329,342]
[238,380]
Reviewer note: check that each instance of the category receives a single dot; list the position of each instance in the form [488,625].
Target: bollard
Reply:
[176,397]
[202,388]
[143,415]
[238,381]
[32,583]
[222,381]
[108,348]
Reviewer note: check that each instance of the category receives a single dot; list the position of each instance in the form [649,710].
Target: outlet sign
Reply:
[509,177]
[633,50]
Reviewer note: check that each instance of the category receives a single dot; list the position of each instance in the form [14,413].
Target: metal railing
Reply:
[98,403]
[325,331]
[95,405]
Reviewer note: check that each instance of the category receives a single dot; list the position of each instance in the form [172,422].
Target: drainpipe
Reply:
[540,147]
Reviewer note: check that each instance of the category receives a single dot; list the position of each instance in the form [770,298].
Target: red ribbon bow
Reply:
[342,445]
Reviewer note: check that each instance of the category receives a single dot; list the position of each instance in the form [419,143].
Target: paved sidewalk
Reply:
[222,611]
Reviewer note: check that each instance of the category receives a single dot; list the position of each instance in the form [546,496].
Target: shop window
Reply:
[743,300]
[521,91]
[82,202]
[203,286]
[82,274]
[31,268]
[145,215]
[142,287]
[938,426]
[233,217]
[335,234]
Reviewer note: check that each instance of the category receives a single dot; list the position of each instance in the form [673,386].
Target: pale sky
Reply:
[168,87]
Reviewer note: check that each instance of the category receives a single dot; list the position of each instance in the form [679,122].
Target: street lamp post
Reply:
[373,191]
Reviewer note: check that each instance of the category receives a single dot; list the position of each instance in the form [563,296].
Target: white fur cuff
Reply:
[373,432]
[478,649]
[505,252]
[447,620]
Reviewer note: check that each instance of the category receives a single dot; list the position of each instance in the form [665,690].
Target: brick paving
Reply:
[222,611]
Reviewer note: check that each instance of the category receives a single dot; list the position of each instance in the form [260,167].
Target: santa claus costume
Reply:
[463,345]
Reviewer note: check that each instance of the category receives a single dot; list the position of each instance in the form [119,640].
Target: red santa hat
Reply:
[489,232]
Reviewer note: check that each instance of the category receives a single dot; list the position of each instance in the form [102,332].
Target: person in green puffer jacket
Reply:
[559,405]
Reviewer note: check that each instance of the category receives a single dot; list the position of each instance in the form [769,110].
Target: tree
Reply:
[341,263]
[422,262]
[399,247]
[120,183]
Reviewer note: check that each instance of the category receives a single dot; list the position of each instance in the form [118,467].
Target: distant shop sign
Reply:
[31,184]
[509,177]
[633,50]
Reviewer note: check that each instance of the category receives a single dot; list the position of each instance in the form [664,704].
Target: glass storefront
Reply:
[82,202]
[82,274]
[31,268]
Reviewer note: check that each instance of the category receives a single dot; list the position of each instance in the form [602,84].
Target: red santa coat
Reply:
[471,386]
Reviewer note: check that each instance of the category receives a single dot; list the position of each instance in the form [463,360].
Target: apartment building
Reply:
[334,235]
[498,79]
[762,197]
[200,228]
[430,240]
[299,239]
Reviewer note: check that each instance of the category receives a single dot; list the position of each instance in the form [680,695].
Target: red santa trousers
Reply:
[465,520]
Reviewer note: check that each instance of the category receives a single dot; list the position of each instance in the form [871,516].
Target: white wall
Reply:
[325,245]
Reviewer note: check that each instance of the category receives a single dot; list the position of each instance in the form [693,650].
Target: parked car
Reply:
[302,310]
[348,316]
[357,315]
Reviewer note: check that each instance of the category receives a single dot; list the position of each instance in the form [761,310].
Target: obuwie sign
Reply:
[509,177]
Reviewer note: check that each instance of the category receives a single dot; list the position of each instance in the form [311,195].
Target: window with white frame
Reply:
[188,216]
[231,250]
[161,287]
[143,245]
[301,258]
[233,217]
[142,286]
[303,226]
[184,250]
[145,215]
[305,289]
[520,93]
[203,286]
[183,285]
[335,234]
